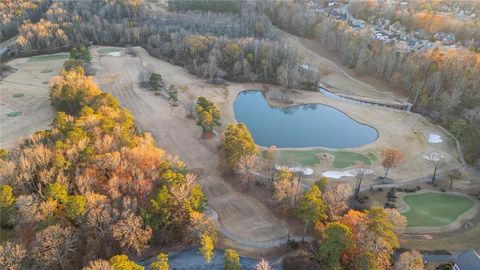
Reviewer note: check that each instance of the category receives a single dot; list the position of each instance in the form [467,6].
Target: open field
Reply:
[432,209]
[25,106]
[107,50]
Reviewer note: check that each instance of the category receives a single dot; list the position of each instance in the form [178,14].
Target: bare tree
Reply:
[132,233]
[55,245]
[12,256]
[98,265]
[245,167]
[436,159]
[336,198]
[263,265]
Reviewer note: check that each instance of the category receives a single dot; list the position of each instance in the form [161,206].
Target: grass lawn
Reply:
[342,160]
[49,57]
[107,50]
[14,114]
[433,209]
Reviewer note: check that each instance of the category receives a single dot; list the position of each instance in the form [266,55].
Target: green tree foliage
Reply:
[322,183]
[7,209]
[121,262]
[167,213]
[208,116]
[381,226]
[172,94]
[232,260]
[206,247]
[311,208]
[80,54]
[3,153]
[161,263]
[367,261]
[156,83]
[72,90]
[57,192]
[75,206]
[338,240]
[6,196]
[458,127]
[238,143]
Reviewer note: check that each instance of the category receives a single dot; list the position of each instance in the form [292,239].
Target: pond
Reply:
[309,125]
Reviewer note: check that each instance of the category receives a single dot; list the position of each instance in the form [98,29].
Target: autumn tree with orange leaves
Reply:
[391,158]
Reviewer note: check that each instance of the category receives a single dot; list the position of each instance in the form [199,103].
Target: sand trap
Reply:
[115,54]
[340,174]
[304,170]
[434,138]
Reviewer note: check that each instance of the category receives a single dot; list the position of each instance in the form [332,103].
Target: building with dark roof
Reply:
[469,260]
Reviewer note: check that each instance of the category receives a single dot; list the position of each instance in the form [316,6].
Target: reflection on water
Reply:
[299,126]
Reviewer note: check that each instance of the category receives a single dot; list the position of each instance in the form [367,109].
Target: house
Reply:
[356,24]
[383,36]
[337,14]
[413,44]
[422,34]
[445,38]
[397,28]
[469,260]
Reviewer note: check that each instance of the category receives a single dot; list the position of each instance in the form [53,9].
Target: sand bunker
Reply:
[304,170]
[340,174]
[434,138]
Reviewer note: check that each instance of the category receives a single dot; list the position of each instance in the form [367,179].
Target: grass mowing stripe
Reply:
[49,57]
[433,209]
[342,160]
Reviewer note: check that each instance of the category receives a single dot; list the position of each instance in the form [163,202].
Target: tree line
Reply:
[239,47]
[14,13]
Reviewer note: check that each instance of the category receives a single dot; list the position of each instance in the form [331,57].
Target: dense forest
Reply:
[238,46]
[93,186]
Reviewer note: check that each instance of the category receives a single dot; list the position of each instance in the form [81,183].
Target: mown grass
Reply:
[343,159]
[433,209]
[107,50]
[14,114]
[49,57]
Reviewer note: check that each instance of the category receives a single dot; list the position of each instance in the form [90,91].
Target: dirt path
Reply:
[241,216]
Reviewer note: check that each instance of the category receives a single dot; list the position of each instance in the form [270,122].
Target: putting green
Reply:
[107,50]
[342,159]
[433,209]
[49,57]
